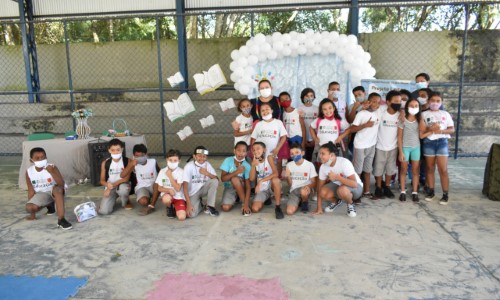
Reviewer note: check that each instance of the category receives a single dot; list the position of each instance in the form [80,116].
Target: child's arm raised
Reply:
[175,184]
[129,168]
[54,172]
[253,170]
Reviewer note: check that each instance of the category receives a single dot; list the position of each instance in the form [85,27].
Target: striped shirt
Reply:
[410,133]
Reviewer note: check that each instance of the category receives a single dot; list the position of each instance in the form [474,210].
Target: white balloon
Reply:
[235,54]
[239,72]
[301,37]
[243,51]
[352,39]
[254,50]
[334,35]
[252,60]
[324,52]
[348,60]
[276,36]
[260,38]
[309,44]
[286,38]
[309,53]
[317,37]
[236,85]
[309,33]
[287,51]
[244,89]
[302,50]
[272,55]
[351,48]
[325,35]
[295,52]
[250,43]
[325,43]
[233,77]
[372,72]
[356,73]
[278,46]
[342,40]
[265,48]
[294,44]
[341,52]
[316,50]
[243,62]
[262,57]
[233,65]
[293,34]
[367,57]
[269,39]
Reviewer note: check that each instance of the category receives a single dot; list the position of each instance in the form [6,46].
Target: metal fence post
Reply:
[160,80]
[70,78]
[182,42]
[461,87]
[27,63]
[35,77]
[354,18]
[252,24]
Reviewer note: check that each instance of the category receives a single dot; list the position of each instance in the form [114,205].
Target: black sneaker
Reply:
[379,193]
[332,206]
[444,200]
[426,190]
[402,197]
[429,196]
[51,209]
[65,225]
[237,200]
[414,197]
[388,193]
[212,211]
[268,201]
[170,212]
[304,207]
[279,213]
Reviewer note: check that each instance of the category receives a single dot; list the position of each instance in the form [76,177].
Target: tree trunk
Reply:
[423,16]
[285,26]
[111,33]
[192,27]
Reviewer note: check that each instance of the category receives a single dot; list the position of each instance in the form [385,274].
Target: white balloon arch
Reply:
[293,61]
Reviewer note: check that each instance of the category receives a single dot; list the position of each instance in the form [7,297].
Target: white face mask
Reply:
[238,160]
[403,103]
[41,163]
[172,165]
[265,92]
[267,117]
[142,160]
[413,110]
[116,156]
[360,98]
[422,100]
[198,164]
[336,94]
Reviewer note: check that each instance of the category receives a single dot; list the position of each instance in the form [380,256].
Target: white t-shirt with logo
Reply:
[163,181]
[443,118]
[41,181]
[245,125]
[387,137]
[366,137]
[301,175]
[115,169]
[263,170]
[193,177]
[146,174]
[292,123]
[343,167]
[310,114]
[269,133]
[328,130]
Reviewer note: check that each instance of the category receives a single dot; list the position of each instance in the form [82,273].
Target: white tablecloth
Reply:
[71,157]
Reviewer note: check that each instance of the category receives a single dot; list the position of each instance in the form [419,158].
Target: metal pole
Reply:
[182,43]
[70,78]
[160,79]
[27,64]
[35,77]
[354,18]
[252,24]
[461,87]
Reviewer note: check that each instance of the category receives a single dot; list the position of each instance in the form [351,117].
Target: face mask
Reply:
[116,156]
[265,92]
[360,98]
[286,104]
[172,165]
[435,106]
[329,162]
[141,160]
[370,109]
[308,100]
[198,165]
[413,110]
[422,100]
[40,164]
[336,94]
[421,85]
[296,158]
[246,110]
[403,103]
[238,160]
[396,106]
[267,117]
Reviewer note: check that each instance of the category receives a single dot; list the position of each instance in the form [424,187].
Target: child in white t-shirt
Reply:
[243,123]
[169,182]
[344,184]
[301,176]
[145,170]
[294,122]
[200,180]
[386,152]
[45,188]
[435,128]
[265,176]
[310,113]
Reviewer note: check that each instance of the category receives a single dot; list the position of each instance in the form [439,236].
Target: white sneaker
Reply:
[332,206]
[351,211]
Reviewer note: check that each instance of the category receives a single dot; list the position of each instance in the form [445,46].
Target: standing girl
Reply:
[243,123]
[409,148]
[310,113]
[435,128]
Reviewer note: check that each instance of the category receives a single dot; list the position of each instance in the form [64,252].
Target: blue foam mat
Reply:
[27,287]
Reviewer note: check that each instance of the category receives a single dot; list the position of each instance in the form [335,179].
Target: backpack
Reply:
[133,178]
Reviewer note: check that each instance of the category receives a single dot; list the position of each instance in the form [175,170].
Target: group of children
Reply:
[315,143]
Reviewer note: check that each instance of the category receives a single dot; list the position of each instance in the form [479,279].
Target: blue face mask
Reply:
[421,85]
[296,158]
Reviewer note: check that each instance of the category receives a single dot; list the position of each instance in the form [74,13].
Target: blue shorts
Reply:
[295,140]
[437,147]
[411,153]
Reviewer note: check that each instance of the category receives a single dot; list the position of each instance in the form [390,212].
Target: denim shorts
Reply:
[438,147]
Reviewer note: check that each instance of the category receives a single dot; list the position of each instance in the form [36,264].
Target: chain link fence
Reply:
[119,69]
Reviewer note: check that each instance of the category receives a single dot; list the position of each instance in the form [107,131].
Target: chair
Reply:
[41,136]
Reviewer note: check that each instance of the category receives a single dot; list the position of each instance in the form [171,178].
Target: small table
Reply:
[70,156]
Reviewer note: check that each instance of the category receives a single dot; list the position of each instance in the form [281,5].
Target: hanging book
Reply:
[184,133]
[179,107]
[210,80]
[227,104]
[175,79]
[208,121]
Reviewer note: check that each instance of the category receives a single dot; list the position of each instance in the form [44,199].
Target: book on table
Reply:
[180,107]
[210,80]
